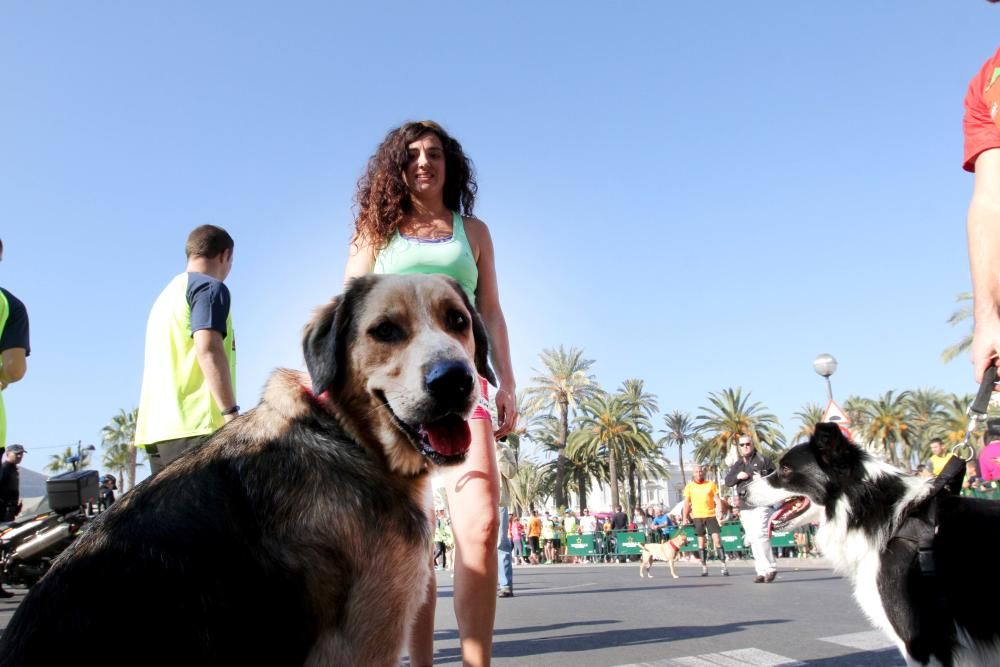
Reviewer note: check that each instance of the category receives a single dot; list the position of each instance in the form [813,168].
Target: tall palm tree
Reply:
[731,415]
[954,420]
[63,462]
[959,316]
[679,428]
[528,488]
[810,415]
[560,388]
[116,458]
[886,424]
[120,432]
[606,429]
[926,415]
[641,405]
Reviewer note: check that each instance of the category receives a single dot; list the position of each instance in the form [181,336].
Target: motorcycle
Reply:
[28,547]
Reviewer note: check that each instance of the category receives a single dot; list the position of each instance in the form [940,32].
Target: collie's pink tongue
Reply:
[449,436]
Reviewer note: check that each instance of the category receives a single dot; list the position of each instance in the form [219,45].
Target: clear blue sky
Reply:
[700,195]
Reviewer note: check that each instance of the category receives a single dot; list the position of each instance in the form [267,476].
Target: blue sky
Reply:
[701,195]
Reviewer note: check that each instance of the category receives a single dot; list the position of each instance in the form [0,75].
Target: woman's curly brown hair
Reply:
[383,198]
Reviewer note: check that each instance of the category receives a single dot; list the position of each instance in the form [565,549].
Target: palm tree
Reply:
[63,462]
[810,415]
[641,405]
[607,429]
[564,384]
[527,487]
[954,420]
[120,433]
[679,429]
[730,416]
[926,414]
[116,458]
[960,315]
[886,424]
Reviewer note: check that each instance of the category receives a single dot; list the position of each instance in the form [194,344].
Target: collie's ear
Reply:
[829,436]
[480,338]
[324,343]
[832,446]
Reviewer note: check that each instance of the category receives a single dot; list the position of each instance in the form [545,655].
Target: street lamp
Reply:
[80,449]
[825,365]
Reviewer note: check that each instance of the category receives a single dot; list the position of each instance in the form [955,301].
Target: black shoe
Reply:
[770,577]
[505,593]
[4,593]
[704,571]
[759,579]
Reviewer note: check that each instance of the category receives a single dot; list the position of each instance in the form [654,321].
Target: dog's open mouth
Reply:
[443,441]
[789,510]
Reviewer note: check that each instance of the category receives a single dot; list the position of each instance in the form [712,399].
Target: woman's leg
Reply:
[421,640]
[474,498]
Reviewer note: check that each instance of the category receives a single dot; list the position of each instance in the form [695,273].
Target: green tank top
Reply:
[450,256]
[4,311]
[175,401]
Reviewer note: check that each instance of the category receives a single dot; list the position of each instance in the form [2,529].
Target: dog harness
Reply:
[451,256]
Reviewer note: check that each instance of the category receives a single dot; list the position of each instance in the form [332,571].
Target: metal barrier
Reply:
[629,542]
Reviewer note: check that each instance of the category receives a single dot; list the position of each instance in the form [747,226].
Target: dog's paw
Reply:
[675,576]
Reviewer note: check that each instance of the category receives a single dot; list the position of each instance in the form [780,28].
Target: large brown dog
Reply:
[667,551]
[263,547]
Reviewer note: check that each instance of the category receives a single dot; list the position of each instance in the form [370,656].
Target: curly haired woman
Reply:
[415,216]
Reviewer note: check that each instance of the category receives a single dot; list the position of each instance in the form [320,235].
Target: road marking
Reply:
[872,640]
[745,657]
[533,591]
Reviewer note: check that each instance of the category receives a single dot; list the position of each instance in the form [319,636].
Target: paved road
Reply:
[604,616]
[601,616]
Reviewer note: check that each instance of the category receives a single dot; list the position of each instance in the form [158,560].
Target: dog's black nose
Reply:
[450,383]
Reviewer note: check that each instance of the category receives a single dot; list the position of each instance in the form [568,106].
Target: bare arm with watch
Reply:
[212,359]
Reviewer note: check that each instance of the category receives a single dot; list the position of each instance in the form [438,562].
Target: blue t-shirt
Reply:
[15,331]
[662,520]
[209,301]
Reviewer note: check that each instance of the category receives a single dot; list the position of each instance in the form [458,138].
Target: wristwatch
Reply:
[235,410]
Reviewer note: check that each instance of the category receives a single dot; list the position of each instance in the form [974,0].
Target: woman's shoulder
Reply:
[474,227]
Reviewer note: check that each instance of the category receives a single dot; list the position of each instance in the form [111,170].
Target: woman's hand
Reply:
[506,412]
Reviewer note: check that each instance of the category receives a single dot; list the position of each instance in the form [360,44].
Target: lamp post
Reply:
[825,365]
[80,449]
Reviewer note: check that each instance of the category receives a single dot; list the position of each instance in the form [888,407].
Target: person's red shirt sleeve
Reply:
[981,131]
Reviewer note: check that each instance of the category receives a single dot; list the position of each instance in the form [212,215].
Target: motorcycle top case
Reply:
[72,489]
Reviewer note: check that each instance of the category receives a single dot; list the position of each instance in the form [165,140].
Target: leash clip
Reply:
[977,412]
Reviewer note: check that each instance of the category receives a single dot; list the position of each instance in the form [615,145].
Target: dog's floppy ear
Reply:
[324,341]
[480,337]
[830,441]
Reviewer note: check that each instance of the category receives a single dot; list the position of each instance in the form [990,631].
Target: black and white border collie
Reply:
[949,618]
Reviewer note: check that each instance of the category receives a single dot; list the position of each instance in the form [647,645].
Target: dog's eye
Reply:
[456,320]
[386,332]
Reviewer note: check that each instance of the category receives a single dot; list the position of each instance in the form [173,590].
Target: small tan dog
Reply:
[667,551]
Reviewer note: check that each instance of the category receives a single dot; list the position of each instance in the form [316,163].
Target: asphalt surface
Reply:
[605,615]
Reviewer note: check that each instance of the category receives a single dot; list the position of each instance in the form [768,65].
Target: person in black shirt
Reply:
[752,465]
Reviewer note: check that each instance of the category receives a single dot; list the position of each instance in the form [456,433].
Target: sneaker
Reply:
[725,572]
[548,562]
[505,593]
[770,577]
[759,579]
[4,593]
[704,571]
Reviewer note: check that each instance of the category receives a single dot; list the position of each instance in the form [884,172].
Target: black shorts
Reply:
[708,525]
[533,543]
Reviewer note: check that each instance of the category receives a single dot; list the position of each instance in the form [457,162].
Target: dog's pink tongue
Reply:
[449,436]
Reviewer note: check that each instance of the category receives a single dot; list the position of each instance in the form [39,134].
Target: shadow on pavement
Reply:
[444,635]
[889,657]
[600,640]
